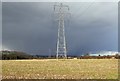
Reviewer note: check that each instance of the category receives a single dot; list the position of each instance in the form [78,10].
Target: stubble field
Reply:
[60,69]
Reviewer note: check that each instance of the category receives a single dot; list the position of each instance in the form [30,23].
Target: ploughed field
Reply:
[60,69]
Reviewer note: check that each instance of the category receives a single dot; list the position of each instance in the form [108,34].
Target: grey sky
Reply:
[0,25]
[60,0]
[31,27]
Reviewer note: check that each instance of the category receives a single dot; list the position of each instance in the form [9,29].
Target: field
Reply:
[60,69]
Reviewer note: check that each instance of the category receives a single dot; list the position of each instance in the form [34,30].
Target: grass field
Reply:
[60,69]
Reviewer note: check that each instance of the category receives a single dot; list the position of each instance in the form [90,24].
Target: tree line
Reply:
[13,55]
[9,55]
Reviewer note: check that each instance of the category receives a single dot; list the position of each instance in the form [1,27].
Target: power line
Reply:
[82,13]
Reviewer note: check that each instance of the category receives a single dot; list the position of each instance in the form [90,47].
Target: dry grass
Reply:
[0,70]
[60,69]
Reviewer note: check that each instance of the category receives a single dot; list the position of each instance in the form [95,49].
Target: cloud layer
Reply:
[31,27]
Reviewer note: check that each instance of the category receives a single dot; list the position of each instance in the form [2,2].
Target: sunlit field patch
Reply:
[60,69]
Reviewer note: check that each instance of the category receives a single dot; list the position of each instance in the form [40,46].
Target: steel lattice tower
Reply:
[61,11]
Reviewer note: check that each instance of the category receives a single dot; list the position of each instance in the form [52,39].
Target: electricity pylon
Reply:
[61,11]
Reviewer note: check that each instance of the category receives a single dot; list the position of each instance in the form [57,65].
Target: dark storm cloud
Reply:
[27,27]
[96,29]
[31,27]
[0,25]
